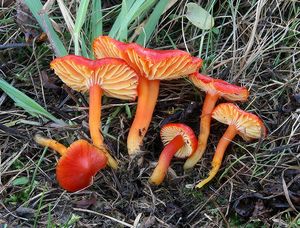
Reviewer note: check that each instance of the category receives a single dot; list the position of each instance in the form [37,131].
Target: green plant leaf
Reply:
[152,22]
[96,20]
[26,102]
[42,18]
[199,16]
[20,181]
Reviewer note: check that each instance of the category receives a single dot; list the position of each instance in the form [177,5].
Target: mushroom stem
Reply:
[95,122]
[147,97]
[164,160]
[53,144]
[219,154]
[208,107]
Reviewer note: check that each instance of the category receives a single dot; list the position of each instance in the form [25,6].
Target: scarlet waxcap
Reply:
[171,130]
[152,64]
[75,170]
[248,125]
[105,46]
[113,75]
[220,87]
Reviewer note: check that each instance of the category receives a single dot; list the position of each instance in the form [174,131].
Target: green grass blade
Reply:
[26,102]
[80,18]
[129,17]
[96,20]
[152,22]
[35,7]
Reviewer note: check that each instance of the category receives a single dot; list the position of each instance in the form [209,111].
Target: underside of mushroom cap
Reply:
[248,125]
[171,130]
[220,87]
[152,64]
[113,75]
[105,46]
[161,64]
[75,169]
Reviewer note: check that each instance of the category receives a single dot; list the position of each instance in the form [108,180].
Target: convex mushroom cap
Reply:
[109,76]
[180,141]
[78,164]
[215,89]
[152,66]
[247,125]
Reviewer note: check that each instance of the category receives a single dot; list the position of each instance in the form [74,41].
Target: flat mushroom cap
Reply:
[152,64]
[105,46]
[113,75]
[75,169]
[171,130]
[248,125]
[220,87]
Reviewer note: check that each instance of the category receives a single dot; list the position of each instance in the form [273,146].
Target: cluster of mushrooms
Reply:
[126,71]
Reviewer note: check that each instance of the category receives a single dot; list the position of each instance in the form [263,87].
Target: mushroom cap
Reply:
[152,64]
[113,75]
[248,125]
[217,86]
[171,130]
[105,46]
[75,170]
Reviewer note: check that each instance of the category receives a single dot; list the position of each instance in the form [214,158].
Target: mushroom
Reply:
[180,141]
[78,164]
[109,76]
[151,66]
[245,124]
[215,89]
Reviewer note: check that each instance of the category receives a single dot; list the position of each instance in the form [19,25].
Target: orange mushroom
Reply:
[180,141]
[215,89]
[109,76]
[78,165]
[152,66]
[247,125]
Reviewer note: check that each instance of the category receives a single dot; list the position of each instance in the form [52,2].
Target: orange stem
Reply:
[95,122]
[53,144]
[219,154]
[208,106]
[147,97]
[165,158]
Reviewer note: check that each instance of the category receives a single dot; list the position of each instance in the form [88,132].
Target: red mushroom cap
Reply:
[248,125]
[75,170]
[171,130]
[113,75]
[152,64]
[220,87]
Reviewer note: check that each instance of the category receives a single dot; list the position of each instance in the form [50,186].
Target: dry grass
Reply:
[257,45]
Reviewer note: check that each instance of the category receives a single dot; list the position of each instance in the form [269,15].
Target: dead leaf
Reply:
[26,21]
[86,203]
[25,212]
[48,83]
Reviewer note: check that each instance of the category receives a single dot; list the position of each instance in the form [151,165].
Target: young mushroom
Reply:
[109,76]
[245,124]
[78,164]
[151,66]
[215,89]
[180,141]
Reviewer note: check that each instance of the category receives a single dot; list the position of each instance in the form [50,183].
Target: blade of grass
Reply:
[152,22]
[35,7]
[129,17]
[67,17]
[80,18]
[26,102]
[96,20]
[126,5]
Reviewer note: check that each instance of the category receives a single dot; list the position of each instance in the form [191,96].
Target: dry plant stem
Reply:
[164,160]
[208,106]
[228,136]
[95,123]
[53,144]
[147,97]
